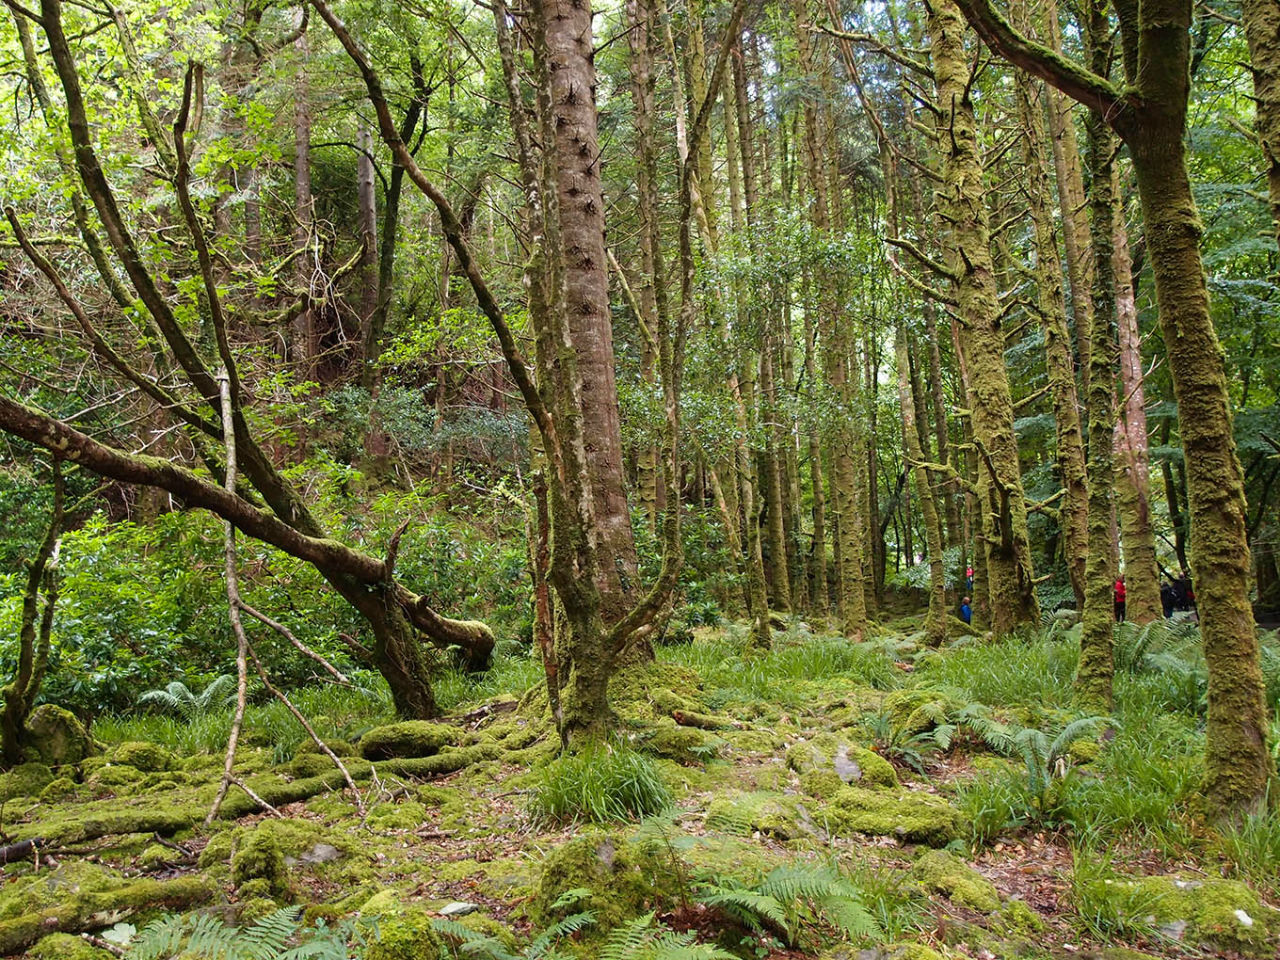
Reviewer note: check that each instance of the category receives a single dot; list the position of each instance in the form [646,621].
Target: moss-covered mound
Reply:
[63,946]
[412,738]
[828,752]
[56,736]
[25,780]
[1216,915]
[406,934]
[615,879]
[147,757]
[941,872]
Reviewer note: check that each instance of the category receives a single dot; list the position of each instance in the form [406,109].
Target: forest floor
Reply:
[828,799]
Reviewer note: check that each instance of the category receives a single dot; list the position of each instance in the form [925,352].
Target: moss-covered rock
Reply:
[1218,915]
[117,779]
[773,814]
[57,737]
[1016,919]
[917,710]
[147,757]
[25,780]
[407,815]
[941,872]
[57,789]
[406,934]
[911,816]
[849,761]
[412,738]
[339,748]
[252,909]
[624,880]
[154,857]
[64,946]
[49,888]
[685,745]
[258,857]
[217,850]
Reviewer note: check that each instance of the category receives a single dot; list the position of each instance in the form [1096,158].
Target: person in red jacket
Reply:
[1120,600]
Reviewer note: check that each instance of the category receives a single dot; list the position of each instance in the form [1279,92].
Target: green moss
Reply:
[309,765]
[774,814]
[384,903]
[116,779]
[57,736]
[49,888]
[407,815]
[412,738]
[486,926]
[625,880]
[57,789]
[217,850]
[852,763]
[917,710]
[254,909]
[1016,919]
[823,784]
[941,872]
[405,935]
[1217,914]
[63,946]
[914,817]
[154,857]
[25,780]
[258,857]
[147,757]
[686,745]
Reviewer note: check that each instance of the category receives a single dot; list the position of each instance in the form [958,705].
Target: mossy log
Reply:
[89,910]
[278,793]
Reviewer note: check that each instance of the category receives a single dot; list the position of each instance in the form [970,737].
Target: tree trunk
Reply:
[963,215]
[1133,467]
[368,223]
[1262,28]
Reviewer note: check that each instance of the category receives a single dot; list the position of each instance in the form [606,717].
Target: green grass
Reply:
[783,675]
[1253,847]
[608,782]
[1032,671]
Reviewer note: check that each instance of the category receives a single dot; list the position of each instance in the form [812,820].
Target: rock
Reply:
[941,872]
[57,736]
[147,757]
[58,788]
[1216,915]
[621,880]
[50,888]
[155,857]
[773,814]
[405,935]
[849,761]
[259,857]
[457,909]
[116,778]
[25,780]
[412,738]
[64,946]
[320,853]
[911,816]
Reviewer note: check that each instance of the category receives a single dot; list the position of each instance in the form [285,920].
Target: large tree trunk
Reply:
[1262,28]
[963,216]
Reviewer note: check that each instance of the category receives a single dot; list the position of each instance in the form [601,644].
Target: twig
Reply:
[233,607]
[257,799]
[297,715]
[302,648]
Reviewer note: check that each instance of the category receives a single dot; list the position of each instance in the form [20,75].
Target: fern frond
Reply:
[1073,731]
[561,928]
[627,941]
[268,936]
[756,911]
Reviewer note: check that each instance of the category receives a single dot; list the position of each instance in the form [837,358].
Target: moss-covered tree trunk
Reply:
[1262,28]
[1074,513]
[962,213]
[1096,670]
[1151,116]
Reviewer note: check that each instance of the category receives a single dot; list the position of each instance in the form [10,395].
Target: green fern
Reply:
[203,937]
[792,901]
[177,697]
[642,940]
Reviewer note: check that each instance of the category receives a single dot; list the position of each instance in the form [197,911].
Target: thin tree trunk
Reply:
[1262,28]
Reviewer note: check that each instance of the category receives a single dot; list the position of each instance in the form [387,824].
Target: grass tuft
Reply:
[603,783]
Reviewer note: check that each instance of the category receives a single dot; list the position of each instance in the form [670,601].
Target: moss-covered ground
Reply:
[874,764]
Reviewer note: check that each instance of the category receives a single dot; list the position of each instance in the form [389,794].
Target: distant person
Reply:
[966,611]
[1186,595]
[1168,598]
[968,579]
[1120,598]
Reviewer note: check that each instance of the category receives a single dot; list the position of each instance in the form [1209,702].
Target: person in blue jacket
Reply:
[966,611]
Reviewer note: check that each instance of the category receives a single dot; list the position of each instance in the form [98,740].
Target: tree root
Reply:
[87,911]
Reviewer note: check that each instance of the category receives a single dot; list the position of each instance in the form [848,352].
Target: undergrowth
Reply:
[606,782]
